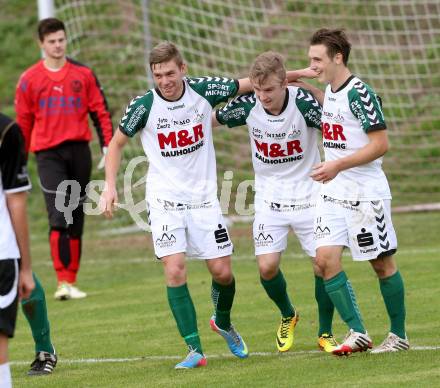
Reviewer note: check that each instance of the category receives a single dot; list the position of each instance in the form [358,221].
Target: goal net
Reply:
[396,49]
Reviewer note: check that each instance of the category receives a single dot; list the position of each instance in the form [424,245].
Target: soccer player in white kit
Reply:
[354,208]
[282,122]
[16,279]
[174,122]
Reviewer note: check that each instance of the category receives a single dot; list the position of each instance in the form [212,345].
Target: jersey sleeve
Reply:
[214,89]
[136,114]
[24,109]
[309,107]
[13,161]
[365,106]
[236,112]
[99,112]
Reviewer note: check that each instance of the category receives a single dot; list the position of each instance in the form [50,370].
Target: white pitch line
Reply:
[210,356]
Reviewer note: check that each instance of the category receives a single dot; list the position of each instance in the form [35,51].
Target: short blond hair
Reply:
[265,65]
[164,52]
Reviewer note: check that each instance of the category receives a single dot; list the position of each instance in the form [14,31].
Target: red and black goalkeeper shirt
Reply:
[52,106]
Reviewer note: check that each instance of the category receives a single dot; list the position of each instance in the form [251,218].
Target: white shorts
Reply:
[197,230]
[365,227]
[273,221]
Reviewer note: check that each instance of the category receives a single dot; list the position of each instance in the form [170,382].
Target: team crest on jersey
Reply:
[76,86]
[199,117]
[339,118]
[293,132]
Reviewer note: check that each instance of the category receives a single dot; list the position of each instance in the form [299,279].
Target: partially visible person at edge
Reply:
[15,183]
[15,261]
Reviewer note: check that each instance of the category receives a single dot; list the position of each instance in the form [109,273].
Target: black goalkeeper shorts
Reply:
[9,271]
[67,161]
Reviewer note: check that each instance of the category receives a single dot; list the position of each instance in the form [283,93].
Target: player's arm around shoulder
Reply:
[236,111]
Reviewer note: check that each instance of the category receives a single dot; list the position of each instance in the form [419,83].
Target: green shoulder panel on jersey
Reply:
[309,108]
[366,107]
[136,114]
[214,89]
[236,111]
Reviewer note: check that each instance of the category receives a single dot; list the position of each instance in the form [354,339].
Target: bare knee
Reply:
[328,261]
[267,271]
[384,266]
[316,269]
[269,265]
[221,270]
[175,272]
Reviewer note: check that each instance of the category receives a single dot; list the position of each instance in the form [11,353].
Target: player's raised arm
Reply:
[109,196]
[294,78]
[317,93]
[294,75]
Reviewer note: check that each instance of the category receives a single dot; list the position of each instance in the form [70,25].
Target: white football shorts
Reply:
[273,221]
[363,226]
[197,230]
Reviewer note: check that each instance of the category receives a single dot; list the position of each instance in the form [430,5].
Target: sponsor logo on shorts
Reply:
[321,231]
[177,206]
[365,239]
[263,240]
[222,238]
[169,205]
[350,205]
[221,234]
[284,208]
[166,241]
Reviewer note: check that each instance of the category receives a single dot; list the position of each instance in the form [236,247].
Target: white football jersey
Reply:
[177,138]
[284,147]
[13,179]
[347,116]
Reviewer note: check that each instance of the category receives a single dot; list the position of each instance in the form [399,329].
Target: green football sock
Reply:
[35,311]
[276,289]
[342,295]
[223,297]
[393,293]
[184,313]
[326,307]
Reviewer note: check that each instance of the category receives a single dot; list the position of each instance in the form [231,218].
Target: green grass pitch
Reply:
[123,334]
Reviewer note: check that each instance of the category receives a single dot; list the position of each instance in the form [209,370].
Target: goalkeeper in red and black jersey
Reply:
[53,100]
